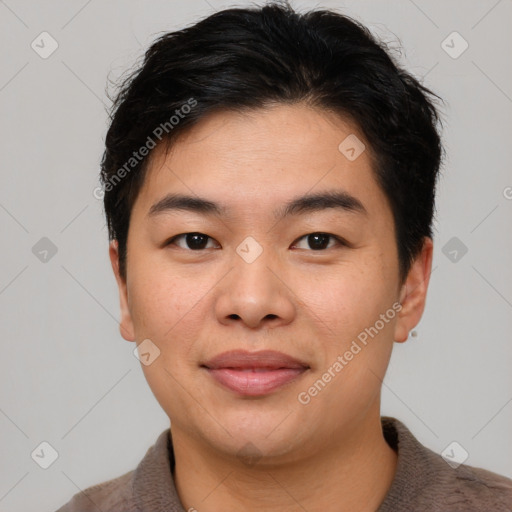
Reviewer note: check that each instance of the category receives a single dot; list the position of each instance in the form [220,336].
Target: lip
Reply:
[254,373]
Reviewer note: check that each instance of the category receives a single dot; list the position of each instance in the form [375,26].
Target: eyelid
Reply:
[340,241]
[173,238]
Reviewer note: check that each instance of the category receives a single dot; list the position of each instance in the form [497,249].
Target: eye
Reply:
[194,241]
[199,241]
[320,241]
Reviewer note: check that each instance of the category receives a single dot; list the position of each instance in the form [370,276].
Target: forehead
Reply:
[262,158]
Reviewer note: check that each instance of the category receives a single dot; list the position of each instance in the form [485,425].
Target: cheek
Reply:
[172,310]
[348,300]
[168,310]
[356,353]
[159,298]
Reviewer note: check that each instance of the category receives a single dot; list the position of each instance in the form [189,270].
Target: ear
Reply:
[126,324]
[413,293]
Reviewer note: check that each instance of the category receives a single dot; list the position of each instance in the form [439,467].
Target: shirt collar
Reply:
[154,489]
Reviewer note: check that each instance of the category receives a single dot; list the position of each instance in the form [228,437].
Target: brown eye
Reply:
[193,241]
[320,241]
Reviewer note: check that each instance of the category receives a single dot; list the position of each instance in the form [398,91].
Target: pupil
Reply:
[318,241]
[196,240]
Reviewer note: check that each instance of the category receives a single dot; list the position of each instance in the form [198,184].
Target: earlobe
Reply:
[126,324]
[414,292]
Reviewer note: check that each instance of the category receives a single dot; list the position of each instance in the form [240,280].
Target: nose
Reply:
[256,295]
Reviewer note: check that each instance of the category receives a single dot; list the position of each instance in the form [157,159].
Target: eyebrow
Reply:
[298,206]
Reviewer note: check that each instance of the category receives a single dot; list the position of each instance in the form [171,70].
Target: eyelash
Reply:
[340,241]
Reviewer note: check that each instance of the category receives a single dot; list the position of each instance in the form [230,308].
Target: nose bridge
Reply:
[251,273]
[253,292]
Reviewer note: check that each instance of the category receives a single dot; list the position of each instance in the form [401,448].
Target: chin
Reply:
[272,433]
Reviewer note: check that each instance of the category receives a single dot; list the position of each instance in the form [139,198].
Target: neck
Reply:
[349,474]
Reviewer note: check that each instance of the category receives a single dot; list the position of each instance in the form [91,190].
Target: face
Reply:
[316,282]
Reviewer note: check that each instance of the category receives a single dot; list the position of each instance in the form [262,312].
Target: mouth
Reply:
[254,373]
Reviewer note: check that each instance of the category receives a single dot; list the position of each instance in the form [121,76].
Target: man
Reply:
[269,185]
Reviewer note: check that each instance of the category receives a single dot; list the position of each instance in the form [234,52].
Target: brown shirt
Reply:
[423,482]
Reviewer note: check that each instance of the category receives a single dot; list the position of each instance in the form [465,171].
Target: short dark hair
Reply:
[250,58]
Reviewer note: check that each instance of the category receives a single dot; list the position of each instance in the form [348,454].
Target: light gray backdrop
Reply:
[67,376]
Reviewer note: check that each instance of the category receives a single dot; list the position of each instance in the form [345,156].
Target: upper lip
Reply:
[242,359]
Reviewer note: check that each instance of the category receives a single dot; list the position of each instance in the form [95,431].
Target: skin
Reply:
[310,304]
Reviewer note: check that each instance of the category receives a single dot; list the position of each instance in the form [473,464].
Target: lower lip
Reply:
[255,383]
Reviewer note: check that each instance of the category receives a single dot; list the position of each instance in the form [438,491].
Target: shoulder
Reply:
[470,488]
[151,482]
[109,496]
[425,481]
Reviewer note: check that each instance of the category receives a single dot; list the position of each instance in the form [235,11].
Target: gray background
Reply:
[66,375]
